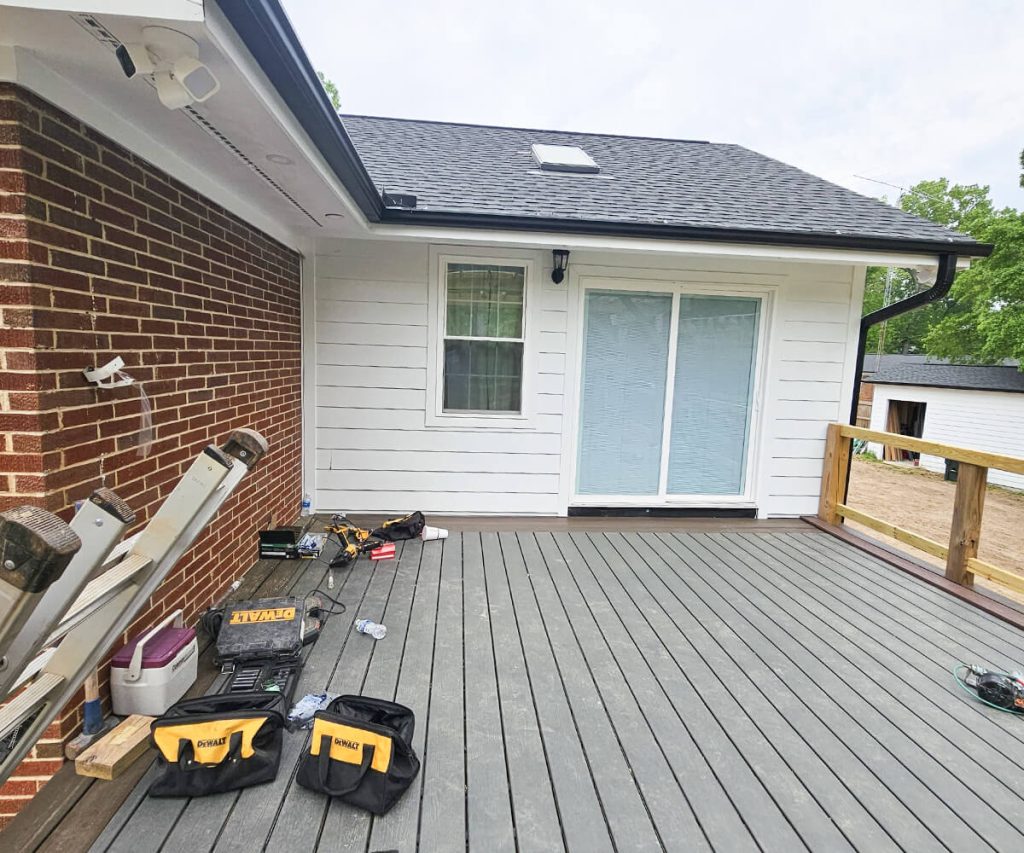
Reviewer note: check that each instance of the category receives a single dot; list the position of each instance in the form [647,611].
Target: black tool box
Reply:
[261,629]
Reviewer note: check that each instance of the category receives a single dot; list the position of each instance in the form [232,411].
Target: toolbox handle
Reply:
[135,667]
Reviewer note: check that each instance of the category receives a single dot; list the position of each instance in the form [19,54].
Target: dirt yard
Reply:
[922,502]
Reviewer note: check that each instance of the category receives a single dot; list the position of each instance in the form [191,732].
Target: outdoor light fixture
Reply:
[171,60]
[559,264]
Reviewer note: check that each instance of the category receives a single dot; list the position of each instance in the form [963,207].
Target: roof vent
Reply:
[564,158]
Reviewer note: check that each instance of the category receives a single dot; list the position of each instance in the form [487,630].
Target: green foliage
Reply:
[330,89]
[982,319]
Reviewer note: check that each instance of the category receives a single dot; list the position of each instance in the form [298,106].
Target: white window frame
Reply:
[436,416]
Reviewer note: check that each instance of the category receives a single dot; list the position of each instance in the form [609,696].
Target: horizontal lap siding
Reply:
[374,451]
[979,420]
[810,363]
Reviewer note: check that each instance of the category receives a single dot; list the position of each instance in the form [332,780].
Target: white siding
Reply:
[980,420]
[375,450]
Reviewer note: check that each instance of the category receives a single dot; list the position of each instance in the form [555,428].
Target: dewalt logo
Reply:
[211,742]
[348,744]
[252,617]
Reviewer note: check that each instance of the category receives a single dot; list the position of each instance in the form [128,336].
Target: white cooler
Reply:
[153,671]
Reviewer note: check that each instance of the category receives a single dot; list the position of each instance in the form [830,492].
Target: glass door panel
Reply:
[716,350]
[624,375]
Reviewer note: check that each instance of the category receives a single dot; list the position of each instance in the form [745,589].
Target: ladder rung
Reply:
[21,707]
[35,665]
[120,550]
[97,591]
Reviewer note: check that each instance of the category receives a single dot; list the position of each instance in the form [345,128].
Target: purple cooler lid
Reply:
[158,651]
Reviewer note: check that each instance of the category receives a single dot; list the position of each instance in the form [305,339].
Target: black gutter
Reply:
[270,38]
[395,216]
[943,282]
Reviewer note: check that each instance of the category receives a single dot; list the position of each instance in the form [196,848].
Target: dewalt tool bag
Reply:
[217,743]
[361,752]
[396,529]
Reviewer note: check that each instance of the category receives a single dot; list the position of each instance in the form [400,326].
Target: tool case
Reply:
[272,675]
[261,629]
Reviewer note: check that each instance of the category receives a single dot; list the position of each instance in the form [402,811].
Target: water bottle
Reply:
[366,626]
[307,504]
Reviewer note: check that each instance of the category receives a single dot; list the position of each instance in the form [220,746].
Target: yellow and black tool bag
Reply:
[217,743]
[361,752]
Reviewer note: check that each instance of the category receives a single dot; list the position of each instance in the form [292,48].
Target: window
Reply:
[483,337]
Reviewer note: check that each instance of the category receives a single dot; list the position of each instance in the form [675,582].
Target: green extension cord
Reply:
[970,691]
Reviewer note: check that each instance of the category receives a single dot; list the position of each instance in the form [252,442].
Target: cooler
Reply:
[153,671]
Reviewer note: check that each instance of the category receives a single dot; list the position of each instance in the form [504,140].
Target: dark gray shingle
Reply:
[937,373]
[473,169]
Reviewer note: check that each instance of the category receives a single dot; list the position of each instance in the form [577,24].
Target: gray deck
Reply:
[735,691]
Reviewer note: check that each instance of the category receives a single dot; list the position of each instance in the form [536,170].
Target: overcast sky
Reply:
[897,90]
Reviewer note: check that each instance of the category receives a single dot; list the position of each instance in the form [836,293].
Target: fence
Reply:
[961,552]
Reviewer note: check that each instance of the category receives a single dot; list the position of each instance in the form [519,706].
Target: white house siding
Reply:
[376,452]
[980,420]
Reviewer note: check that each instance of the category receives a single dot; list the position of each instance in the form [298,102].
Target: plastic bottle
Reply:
[307,505]
[366,626]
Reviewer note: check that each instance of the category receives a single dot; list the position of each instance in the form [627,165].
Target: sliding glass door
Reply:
[667,393]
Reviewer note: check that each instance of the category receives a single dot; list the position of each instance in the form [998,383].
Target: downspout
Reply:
[943,282]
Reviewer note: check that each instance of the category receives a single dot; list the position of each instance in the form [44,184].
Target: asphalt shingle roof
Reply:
[937,373]
[474,169]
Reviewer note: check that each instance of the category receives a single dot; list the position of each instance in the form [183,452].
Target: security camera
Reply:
[171,58]
[134,59]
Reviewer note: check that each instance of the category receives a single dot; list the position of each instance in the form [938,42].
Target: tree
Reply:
[330,89]
[982,319]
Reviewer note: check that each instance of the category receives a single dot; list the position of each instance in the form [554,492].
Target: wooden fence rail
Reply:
[961,552]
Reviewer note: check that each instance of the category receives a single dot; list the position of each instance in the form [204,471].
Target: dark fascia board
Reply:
[270,38]
[900,245]
[870,381]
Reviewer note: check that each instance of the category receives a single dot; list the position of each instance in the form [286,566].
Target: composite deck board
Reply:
[443,791]
[629,820]
[901,734]
[969,621]
[828,728]
[755,708]
[928,654]
[738,797]
[489,816]
[597,688]
[583,824]
[909,699]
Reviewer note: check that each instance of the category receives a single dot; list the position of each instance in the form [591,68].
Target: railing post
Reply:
[833,474]
[965,530]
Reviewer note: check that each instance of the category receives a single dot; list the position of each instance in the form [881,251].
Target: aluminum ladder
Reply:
[67,591]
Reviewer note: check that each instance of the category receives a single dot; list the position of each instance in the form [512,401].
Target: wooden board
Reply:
[1013,464]
[110,756]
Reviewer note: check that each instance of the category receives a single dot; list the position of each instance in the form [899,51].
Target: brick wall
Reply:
[101,254]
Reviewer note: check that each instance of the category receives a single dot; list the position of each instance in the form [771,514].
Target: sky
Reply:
[896,91]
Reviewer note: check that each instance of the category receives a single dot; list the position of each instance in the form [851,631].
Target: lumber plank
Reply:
[994,573]
[922,543]
[835,468]
[984,459]
[965,529]
[115,752]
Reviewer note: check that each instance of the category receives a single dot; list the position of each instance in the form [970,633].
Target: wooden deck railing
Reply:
[961,552]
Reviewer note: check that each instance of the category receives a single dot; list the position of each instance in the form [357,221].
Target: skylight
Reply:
[564,158]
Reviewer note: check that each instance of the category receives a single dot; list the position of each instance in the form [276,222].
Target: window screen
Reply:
[483,340]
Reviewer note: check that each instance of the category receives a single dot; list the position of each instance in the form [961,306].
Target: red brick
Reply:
[204,310]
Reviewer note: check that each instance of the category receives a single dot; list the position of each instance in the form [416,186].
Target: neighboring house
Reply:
[978,406]
[259,262]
